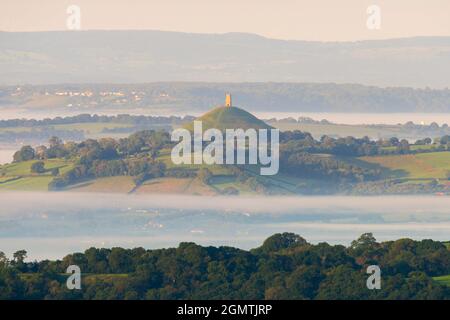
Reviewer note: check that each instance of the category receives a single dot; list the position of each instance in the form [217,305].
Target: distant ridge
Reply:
[152,56]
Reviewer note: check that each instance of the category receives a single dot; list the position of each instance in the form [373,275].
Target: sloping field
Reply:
[433,165]
[444,280]
[37,183]
[18,176]
[24,168]
[122,184]
[164,185]
[173,185]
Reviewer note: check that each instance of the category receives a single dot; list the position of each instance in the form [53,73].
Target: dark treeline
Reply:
[326,159]
[432,129]
[355,147]
[88,118]
[286,266]
[41,134]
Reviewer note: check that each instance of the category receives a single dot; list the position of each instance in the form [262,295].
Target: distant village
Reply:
[86,96]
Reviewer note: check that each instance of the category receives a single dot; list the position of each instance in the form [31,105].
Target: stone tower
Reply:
[228,100]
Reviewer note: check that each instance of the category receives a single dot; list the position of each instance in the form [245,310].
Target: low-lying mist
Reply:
[52,224]
[21,202]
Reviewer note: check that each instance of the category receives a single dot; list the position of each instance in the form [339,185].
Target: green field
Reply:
[117,184]
[8,178]
[24,168]
[18,176]
[433,165]
[27,184]
[444,280]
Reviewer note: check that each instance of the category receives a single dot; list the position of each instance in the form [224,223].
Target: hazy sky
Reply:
[286,19]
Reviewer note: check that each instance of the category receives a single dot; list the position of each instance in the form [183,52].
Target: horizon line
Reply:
[227,33]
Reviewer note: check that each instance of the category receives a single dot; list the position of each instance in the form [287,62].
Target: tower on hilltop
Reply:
[228,100]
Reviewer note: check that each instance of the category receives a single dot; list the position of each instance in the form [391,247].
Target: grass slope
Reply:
[444,280]
[18,176]
[433,165]
[229,118]
[118,184]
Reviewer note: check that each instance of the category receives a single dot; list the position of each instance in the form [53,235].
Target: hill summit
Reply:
[229,117]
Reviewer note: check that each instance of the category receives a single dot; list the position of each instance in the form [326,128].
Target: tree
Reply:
[304,282]
[434,126]
[343,283]
[394,141]
[38,167]
[289,269]
[403,147]
[365,248]
[24,154]
[140,178]
[19,260]
[281,241]
[3,259]
[11,286]
[20,256]
[120,261]
[55,142]
[41,152]
[419,142]
[365,241]
[444,140]
[55,172]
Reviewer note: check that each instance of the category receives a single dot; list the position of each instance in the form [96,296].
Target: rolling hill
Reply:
[229,118]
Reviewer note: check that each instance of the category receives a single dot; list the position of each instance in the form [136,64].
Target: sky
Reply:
[314,20]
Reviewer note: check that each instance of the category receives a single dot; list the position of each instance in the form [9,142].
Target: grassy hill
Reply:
[229,118]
